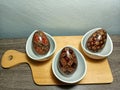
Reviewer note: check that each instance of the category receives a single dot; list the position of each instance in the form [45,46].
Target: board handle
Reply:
[12,57]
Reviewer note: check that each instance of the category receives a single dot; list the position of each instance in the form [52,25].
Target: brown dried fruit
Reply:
[67,61]
[97,40]
[40,42]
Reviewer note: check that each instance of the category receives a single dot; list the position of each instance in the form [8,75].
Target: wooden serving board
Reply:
[98,71]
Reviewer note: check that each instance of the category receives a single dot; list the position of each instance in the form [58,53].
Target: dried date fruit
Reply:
[97,40]
[40,42]
[67,61]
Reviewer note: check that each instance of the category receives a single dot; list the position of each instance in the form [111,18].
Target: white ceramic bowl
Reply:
[105,52]
[33,55]
[79,73]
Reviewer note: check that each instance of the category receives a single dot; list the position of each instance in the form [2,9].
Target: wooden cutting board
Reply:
[98,71]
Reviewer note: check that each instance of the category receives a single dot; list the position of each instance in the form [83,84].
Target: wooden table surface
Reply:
[20,77]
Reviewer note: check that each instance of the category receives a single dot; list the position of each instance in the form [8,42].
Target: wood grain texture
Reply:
[20,78]
[42,73]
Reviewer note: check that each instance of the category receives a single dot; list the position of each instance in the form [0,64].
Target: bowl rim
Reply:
[97,54]
[85,64]
[44,57]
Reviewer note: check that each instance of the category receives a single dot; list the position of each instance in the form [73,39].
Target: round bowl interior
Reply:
[33,55]
[106,51]
[79,72]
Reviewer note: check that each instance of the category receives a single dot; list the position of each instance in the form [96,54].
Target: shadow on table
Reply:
[66,86]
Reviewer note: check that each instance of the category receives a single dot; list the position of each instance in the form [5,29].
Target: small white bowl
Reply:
[105,52]
[79,73]
[33,55]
